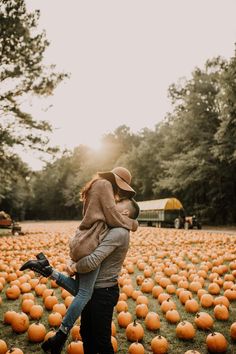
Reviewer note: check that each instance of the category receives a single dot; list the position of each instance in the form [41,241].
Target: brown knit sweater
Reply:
[100,214]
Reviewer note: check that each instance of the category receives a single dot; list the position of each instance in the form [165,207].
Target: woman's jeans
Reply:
[82,289]
[96,319]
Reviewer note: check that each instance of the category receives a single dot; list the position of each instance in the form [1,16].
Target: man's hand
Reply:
[71,268]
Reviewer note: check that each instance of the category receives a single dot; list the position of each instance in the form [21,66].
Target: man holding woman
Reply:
[97,251]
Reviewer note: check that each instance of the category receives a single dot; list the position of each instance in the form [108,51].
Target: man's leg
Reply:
[102,306]
[86,330]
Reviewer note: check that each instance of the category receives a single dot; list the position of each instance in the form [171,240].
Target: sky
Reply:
[122,56]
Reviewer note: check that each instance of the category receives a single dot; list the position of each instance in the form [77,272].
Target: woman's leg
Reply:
[84,294]
[85,284]
[66,282]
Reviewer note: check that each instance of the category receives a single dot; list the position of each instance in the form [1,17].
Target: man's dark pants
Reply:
[96,321]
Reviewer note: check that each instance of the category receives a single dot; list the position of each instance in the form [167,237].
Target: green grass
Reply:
[167,330]
[177,346]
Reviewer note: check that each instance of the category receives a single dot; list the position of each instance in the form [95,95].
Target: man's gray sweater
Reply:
[110,254]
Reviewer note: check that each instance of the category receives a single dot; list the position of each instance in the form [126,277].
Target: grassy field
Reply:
[188,250]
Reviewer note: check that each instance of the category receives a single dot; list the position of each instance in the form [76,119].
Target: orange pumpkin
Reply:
[8,316]
[207,300]
[221,300]
[124,318]
[75,348]
[172,316]
[159,345]
[50,301]
[141,310]
[185,330]
[50,334]
[123,296]
[55,319]
[142,299]
[26,305]
[136,348]
[13,292]
[3,347]
[65,293]
[147,285]
[216,343]
[113,329]
[47,292]
[162,297]
[167,305]
[152,321]
[157,290]
[221,312]
[128,289]
[75,333]
[25,287]
[36,332]
[134,331]
[191,306]
[121,306]
[36,312]
[68,300]
[185,295]
[139,279]
[135,294]
[214,289]
[114,344]
[233,331]
[203,320]
[28,296]
[20,322]
[39,289]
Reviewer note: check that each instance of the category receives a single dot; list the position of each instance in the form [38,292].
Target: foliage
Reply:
[22,76]
[190,155]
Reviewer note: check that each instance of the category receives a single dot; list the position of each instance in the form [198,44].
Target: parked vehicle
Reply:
[188,222]
[6,222]
[168,212]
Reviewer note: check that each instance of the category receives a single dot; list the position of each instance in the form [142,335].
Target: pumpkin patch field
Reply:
[177,292]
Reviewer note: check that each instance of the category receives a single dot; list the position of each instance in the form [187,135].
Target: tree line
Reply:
[190,154]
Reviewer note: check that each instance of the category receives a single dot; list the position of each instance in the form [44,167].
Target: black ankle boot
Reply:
[55,344]
[41,265]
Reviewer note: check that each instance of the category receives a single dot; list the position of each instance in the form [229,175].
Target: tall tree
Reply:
[191,170]
[22,74]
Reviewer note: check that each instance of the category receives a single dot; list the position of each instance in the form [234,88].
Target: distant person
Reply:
[102,229]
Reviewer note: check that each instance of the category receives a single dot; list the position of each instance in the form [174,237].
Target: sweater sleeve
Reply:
[106,247]
[112,216]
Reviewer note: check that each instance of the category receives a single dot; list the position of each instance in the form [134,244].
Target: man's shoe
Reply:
[41,265]
[55,344]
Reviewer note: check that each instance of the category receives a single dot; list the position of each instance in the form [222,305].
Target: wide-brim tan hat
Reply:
[121,176]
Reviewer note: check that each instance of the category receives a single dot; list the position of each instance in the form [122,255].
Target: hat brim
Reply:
[112,177]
